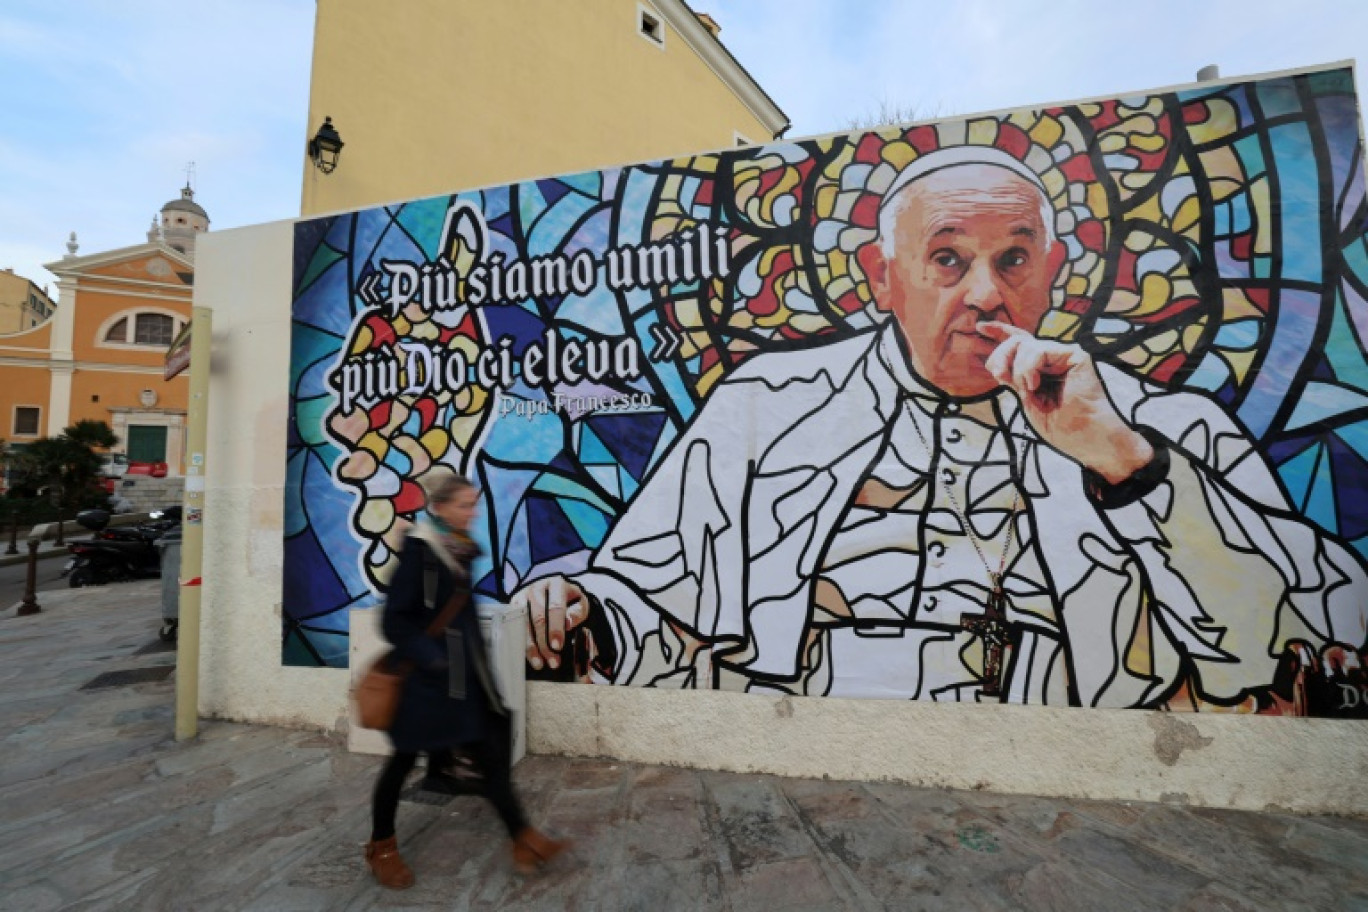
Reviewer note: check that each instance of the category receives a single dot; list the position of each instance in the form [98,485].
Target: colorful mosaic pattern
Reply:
[1217,239]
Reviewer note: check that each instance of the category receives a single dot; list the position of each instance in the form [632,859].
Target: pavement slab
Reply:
[101,809]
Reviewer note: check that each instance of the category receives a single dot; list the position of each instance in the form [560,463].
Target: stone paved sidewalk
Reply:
[101,809]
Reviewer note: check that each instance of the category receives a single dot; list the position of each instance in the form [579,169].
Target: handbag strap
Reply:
[453,607]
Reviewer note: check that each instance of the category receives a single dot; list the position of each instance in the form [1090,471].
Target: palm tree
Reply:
[91,433]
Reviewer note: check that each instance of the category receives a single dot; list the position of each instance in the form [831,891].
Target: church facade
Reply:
[100,353]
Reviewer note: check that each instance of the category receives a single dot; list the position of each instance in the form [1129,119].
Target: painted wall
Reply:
[582,478]
[24,377]
[421,93]
[1312,765]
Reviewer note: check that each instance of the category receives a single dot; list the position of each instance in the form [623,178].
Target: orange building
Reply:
[101,354]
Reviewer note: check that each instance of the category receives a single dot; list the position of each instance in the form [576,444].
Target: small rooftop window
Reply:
[650,27]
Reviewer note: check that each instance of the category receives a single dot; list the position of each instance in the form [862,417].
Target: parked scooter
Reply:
[113,555]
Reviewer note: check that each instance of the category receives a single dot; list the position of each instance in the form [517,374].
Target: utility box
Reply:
[170,547]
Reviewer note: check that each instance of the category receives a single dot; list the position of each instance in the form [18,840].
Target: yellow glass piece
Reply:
[463,429]
[1155,293]
[1222,163]
[436,442]
[1259,197]
[1122,301]
[376,516]
[415,452]
[742,319]
[982,132]
[362,340]
[778,318]
[1078,285]
[1058,324]
[1111,143]
[899,154]
[1135,357]
[1236,305]
[466,345]
[1055,184]
[1148,142]
[427,331]
[1149,210]
[1139,241]
[1136,180]
[709,379]
[1192,335]
[1221,122]
[825,200]
[1140,651]
[1163,343]
[1240,362]
[1097,200]
[377,445]
[1188,215]
[687,313]
[1047,132]
[1224,188]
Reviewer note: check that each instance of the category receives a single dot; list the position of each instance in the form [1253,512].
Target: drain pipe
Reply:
[192,528]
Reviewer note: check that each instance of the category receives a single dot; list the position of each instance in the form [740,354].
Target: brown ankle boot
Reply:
[387,865]
[532,849]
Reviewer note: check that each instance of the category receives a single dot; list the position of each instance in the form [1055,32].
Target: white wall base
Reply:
[1248,762]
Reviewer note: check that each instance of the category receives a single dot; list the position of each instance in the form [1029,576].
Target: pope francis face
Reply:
[959,247]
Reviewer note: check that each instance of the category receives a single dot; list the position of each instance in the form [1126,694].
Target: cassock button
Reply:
[948,476]
[953,436]
[930,603]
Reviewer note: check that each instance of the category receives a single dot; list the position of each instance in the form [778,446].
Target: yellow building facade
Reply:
[101,353]
[433,96]
[23,305]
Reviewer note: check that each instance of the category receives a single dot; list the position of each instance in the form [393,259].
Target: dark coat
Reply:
[428,718]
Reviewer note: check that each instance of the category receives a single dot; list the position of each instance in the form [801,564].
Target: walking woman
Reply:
[449,698]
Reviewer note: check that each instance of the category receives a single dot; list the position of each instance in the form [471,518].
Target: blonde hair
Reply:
[447,487]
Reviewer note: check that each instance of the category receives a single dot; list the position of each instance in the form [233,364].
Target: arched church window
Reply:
[154,329]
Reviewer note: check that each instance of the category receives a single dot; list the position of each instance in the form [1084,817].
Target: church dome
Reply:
[182,219]
[186,203]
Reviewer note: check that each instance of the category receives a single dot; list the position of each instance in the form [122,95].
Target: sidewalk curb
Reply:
[22,558]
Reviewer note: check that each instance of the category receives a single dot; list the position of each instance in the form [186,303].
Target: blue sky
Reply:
[105,101]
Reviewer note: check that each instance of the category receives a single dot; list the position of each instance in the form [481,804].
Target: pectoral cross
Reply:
[992,628]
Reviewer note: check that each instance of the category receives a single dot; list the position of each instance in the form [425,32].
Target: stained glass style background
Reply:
[1217,239]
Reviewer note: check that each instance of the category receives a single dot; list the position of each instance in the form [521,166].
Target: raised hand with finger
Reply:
[1065,402]
[556,608]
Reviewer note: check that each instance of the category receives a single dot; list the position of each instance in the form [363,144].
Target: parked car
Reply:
[114,465]
[154,469]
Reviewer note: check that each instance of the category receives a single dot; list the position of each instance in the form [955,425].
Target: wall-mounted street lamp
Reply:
[325,147]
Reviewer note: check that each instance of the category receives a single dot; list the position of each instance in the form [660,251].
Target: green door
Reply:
[146,443]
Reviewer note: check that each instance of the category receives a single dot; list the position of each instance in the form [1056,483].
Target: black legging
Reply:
[491,756]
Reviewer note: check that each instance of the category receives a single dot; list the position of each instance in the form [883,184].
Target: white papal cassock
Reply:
[802,536]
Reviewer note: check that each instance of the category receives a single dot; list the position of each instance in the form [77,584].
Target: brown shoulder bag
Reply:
[376,695]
